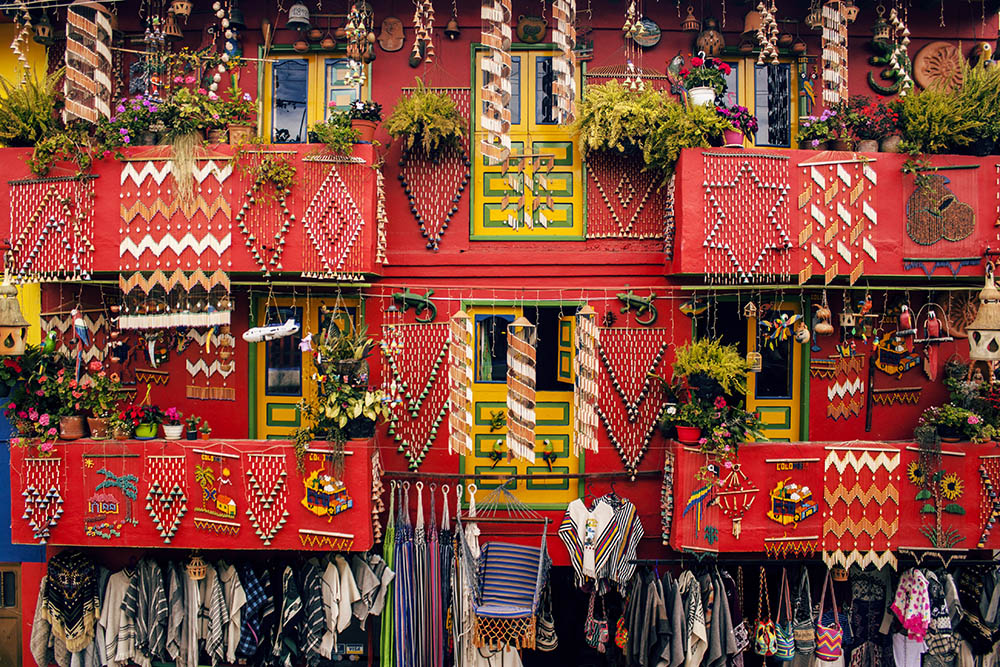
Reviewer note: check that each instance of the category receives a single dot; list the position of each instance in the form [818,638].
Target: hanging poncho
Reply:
[72,604]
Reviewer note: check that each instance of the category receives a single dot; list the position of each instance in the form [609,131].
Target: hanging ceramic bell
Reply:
[814,18]
[43,31]
[314,34]
[451,31]
[710,40]
[236,19]
[690,22]
[751,23]
[170,28]
[181,8]
[298,17]
[328,43]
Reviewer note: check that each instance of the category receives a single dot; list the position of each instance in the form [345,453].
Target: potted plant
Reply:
[705,80]
[618,119]
[709,369]
[954,423]
[744,124]
[815,132]
[120,426]
[357,409]
[872,122]
[427,120]
[191,422]
[364,117]
[681,127]
[343,355]
[240,113]
[336,132]
[687,420]
[72,396]
[101,397]
[934,120]
[143,419]
[173,424]
[205,430]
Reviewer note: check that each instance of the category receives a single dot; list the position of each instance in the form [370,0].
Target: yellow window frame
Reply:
[553,432]
[545,188]
[316,108]
[781,417]
[747,93]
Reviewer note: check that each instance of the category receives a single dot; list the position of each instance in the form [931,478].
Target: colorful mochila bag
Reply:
[803,620]
[829,638]
[764,636]
[784,637]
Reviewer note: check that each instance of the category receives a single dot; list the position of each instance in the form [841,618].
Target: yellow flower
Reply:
[952,487]
[915,473]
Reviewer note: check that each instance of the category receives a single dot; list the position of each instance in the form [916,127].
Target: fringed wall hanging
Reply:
[264,218]
[327,540]
[381,219]
[767,34]
[626,202]
[211,356]
[630,400]
[415,355]
[267,494]
[522,336]
[564,65]
[736,495]
[174,254]
[791,547]
[861,517]
[837,219]
[43,500]
[87,83]
[217,510]
[434,185]
[834,366]
[496,71]
[586,392]
[377,492]
[845,399]
[112,480]
[51,229]
[989,501]
[166,501]
[333,221]
[746,217]
[669,221]
[667,498]
[461,404]
[835,53]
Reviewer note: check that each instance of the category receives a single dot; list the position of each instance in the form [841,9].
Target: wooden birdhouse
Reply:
[984,332]
[13,326]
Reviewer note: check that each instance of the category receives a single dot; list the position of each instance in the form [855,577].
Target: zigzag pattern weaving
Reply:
[860,558]
[861,493]
[333,222]
[989,508]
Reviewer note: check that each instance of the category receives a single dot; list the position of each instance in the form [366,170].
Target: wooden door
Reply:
[775,392]
[10,615]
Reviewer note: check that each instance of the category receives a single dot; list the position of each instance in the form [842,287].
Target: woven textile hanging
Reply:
[496,69]
[564,65]
[834,54]
[585,389]
[87,84]
[521,338]
[333,221]
[43,501]
[460,401]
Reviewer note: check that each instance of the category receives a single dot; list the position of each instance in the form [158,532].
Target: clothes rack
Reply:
[408,474]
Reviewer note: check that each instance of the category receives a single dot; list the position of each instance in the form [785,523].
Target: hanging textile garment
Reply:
[145,607]
[256,599]
[119,631]
[404,639]
[235,598]
[435,635]
[387,651]
[71,603]
[447,554]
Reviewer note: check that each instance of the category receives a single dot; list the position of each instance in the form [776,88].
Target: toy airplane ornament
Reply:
[271,332]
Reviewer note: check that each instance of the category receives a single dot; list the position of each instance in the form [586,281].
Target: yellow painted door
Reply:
[553,405]
[284,371]
[775,392]
[10,614]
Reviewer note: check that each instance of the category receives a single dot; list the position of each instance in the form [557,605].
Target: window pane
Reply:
[283,374]
[289,101]
[772,104]
[491,338]
[732,95]
[9,591]
[775,377]
[545,103]
[515,90]
[339,89]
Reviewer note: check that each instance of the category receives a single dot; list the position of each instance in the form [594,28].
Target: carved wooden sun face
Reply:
[939,64]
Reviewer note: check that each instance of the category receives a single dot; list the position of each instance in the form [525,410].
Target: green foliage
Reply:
[681,127]
[709,357]
[336,133]
[981,91]
[615,117]
[938,121]
[72,144]
[426,119]
[28,109]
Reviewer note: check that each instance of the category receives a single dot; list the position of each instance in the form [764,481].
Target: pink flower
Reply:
[720,402]
[94,366]
[189,78]
[178,79]
[48,446]
[246,97]
[697,62]
[974,419]
[44,420]
[727,465]
[212,96]
[33,413]
[202,91]
[39,393]
[703,441]
[725,68]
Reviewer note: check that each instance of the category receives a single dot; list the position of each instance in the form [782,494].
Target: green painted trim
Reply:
[252,371]
[564,421]
[493,484]
[340,49]
[804,371]
[775,409]
[271,421]
[492,237]
[554,485]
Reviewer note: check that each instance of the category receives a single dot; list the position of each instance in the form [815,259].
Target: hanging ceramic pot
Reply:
[702,96]
[710,40]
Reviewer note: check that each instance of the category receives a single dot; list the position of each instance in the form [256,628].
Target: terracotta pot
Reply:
[239,134]
[71,428]
[688,435]
[365,130]
[98,428]
[733,138]
[173,431]
[868,146]
[842,145]
[703,96]
[891,143]
[204,436]
[146,431]
[216,136]
[121,433]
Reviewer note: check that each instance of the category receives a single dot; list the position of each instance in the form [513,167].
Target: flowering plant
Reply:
[710,72]
[172,417]
[104,390]
[362,110]
[240,108]
[871,119]
[33,425]
[135,415]
[740,117]
[132,117]
[816,130]
[71,393]
[954,421]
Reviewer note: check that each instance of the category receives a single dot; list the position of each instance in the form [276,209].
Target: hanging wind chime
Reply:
[460,400]
[899,61]
[564,66]
[423,29]
[521,338]
[87,85]
[835,19]
[496,70]
[632,28]
[767,34]
[586,366]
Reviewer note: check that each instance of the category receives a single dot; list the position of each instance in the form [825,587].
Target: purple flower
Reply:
[815,143]
[121,108]
[126,140]
[246,96]
[123,132]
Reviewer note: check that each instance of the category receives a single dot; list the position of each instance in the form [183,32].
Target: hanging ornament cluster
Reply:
[360,41]
[267,494]
[496,67]
[51,227]
[22,24]
[87,83]
[423,29]
[835,20]
[586,368]
[333,221]
[521,365]
[633,30]
[381,219]
[899,61]
[564,66]
[230,31]
[767,34]
[989,506]
[43,502]
[461,403]
[166,501]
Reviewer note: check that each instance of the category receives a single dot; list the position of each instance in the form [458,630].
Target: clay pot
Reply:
[204,436]
[891,143]
[688,435]
[239,134]
[121,433]
[842,145]
[365,129]
[216,136]
[868,146]
[98,428]
[71,428]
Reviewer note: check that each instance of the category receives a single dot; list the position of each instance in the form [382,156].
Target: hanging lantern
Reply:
[13,326]
[196,567]
[881,30]
[850,11]
[814,19]
[451,30]
[710,39]
[690,22]
[236,19]
[43,31]
[170,28]
[181,8]
[984,332]
[298,17]
[755,362]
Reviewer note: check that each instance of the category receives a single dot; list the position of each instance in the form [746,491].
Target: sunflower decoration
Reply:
[915,474]
[952,487]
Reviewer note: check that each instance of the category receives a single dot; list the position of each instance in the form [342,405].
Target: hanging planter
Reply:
[688,435]
[703,96]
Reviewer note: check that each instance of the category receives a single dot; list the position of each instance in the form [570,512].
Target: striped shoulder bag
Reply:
[829,638]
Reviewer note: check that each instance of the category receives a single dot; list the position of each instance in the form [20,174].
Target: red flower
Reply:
[685,71]
[94,366]
[697,62]
[725,68]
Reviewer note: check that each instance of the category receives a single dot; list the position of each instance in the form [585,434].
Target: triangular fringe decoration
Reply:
[585,387]
[460,401]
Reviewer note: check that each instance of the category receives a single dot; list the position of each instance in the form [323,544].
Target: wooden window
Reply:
[538,193]
[771,94]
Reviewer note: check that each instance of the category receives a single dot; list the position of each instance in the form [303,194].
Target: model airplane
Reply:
[270,332]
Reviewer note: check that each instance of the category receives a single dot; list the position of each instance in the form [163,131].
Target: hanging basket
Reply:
[702,96]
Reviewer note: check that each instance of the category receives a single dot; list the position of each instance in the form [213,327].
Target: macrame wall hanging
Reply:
[434,185]
[333,221]
[586,371]
[217,509]
[564,65]
[209,359]
[835,53]
[626,202]
[845,399]
[746,217]
[87,85]
[43,501]
[629,399]
[267,494]
[166,501]
[496,71]
[989,501]
[174,255]
[736,494]
[51,229]
[112,480]
[522,336]
[837,219]
[264,218]
[861,494]
[416,356]
[461,404]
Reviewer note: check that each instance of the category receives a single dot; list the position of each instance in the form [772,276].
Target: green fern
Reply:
[935,120]
[28,109]
[680,128]
[710,357]
[426,119]
[615,117]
